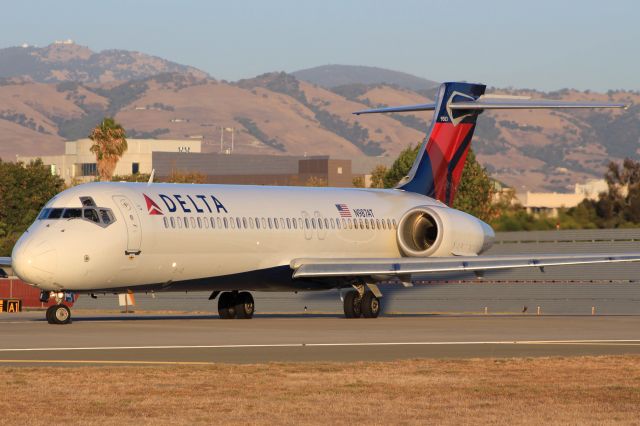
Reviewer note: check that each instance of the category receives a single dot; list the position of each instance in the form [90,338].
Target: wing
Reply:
[399,267]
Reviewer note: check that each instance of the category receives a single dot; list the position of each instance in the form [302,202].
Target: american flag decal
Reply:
[343,210]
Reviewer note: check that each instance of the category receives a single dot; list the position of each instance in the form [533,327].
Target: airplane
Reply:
[233,239]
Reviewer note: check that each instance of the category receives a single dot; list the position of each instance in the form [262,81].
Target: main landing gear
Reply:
[361,303]
[58,313]
[238,305]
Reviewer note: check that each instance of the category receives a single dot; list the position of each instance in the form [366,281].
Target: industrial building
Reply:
[78,163]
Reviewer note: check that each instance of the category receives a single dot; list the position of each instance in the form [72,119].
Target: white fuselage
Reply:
[162,234]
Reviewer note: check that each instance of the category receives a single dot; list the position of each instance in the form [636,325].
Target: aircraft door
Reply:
[132,221]
[306,225]
[322,230]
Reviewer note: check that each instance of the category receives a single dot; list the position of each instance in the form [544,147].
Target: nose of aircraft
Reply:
[34,260]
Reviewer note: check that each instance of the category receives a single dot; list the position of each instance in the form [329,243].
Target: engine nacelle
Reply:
[428,231]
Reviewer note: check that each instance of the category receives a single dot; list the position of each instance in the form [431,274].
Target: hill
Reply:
[330,76]
[67,61]
[277,113]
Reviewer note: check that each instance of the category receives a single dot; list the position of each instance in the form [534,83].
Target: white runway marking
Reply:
[617,342]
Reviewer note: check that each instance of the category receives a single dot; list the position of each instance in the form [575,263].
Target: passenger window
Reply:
[326,223]
[232,223]
[226,223]
[270,223]
[313,223]
[288,223]
[186,222]
[384,224]
[300,222]
[355,223]
[257,223]
[337,223]
[244,223]
[294,223]
[173,222]
[219,223]
[319,223]
[306,223]
[199,220]
[165,220]
[275,222]
[92,215]
[213,223]
[344,223]
[394,224]
[251,223]
[351,224]
[205,223]
[333,223]
[264,223]
[282,223]
[179,222]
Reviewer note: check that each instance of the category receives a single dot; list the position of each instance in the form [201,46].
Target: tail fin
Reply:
[438,167]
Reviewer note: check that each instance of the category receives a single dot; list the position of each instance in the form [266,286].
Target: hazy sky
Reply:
[539,44]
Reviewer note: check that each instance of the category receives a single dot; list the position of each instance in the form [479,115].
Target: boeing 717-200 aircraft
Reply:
[231,239]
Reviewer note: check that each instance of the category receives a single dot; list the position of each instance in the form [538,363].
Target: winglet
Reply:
[153,173]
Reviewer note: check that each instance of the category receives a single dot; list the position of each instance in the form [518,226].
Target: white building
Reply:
[78,163]
[550,202]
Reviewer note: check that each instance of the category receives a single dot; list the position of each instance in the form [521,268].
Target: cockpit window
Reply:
[92,215]
[101,216]
[55,214]
[106,216]
[72,213]
[87,202]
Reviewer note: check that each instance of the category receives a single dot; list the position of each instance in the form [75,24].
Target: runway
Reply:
[26,339]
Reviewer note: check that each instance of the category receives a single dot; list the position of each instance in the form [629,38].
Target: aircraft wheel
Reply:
[370,305]
[49,314]
[244,305]
[352,304]
[60,314]
[226,303]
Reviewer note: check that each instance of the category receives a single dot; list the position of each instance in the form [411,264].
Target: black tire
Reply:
[61,314]
[244,305]
[370,305]
[226,303]
[49,314]
[352,304]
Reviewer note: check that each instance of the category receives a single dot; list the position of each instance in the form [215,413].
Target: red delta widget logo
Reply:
[186,203]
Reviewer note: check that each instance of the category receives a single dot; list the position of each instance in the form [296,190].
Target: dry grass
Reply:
[581,390]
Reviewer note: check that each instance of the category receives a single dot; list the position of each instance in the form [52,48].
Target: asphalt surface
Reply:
[26,339]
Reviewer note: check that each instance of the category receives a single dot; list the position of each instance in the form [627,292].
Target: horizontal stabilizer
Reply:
[408,108]
[495,103]
[394,267]
[5,261]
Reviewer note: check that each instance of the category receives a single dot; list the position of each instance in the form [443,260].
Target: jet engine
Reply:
[433,231]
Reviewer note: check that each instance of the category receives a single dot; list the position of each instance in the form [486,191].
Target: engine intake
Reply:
[440,231]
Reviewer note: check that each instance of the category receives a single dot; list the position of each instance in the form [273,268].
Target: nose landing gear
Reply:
[58,313]
[232,304]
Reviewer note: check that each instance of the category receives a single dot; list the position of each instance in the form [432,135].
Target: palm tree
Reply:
[109,144]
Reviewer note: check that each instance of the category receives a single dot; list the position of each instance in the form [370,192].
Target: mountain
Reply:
[280,114]
[330,76]
[67,61]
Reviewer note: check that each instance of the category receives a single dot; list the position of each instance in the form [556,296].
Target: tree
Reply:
[109,144]
[401,166]
[186,177]
[377,176]
[358,182]
[475,191]
[24,189]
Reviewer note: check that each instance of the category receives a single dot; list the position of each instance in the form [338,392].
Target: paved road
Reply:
[25,339]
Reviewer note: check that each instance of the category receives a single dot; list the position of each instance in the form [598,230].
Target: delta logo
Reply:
[152,207]
[186,203]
